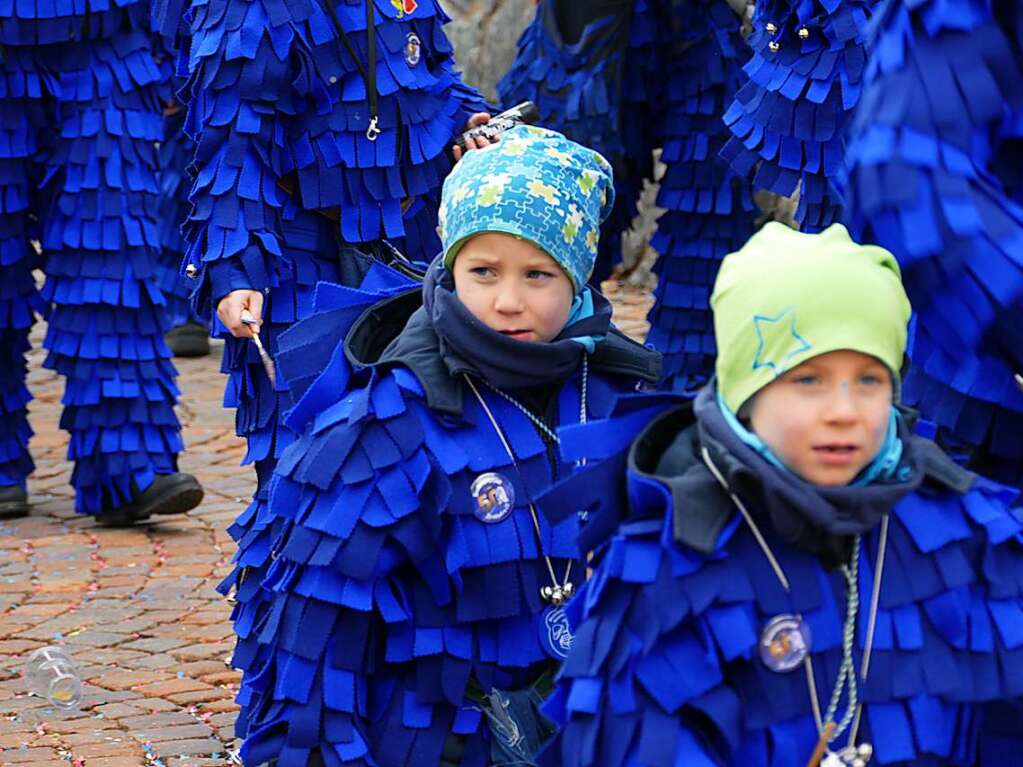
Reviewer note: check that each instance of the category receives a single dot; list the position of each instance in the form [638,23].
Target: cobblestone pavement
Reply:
[135,607]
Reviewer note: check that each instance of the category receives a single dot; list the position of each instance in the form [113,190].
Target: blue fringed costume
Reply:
[805,78]
[797,578]
[591,69]
[666,668]
[412,609]
[392,604]
[287,176]
[935,177]
[709,210]
[80,118]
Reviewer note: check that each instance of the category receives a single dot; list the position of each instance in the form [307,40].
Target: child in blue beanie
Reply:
[414,604]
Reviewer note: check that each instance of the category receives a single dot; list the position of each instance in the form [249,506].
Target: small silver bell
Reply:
[191,271]
[771,27]
[547,593]
[774,46]
[569,589]
[803,33]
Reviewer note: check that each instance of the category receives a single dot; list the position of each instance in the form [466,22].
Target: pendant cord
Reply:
[565,585]
[748,517]
[847,671]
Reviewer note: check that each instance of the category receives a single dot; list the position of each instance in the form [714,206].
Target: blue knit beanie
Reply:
[534,184]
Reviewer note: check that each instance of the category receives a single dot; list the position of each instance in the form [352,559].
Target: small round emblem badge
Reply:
[493,496]
[784,642]
[413,49]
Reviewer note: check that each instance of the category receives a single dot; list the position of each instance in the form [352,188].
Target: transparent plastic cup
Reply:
[51,674]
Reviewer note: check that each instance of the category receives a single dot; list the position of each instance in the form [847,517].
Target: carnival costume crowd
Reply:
[488,528]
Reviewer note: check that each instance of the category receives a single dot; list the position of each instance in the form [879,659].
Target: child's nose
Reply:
[508,300]
[842,404]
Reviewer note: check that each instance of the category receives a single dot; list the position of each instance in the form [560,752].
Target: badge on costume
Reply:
[404,7]
[554,633]
[494,497]
[413,49]
[784,643]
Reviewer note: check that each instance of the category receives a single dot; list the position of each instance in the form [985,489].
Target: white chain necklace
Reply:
[556,593]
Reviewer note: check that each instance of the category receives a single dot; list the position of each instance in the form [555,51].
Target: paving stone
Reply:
[170,687]
[163,719]
[190,747]
[174,732]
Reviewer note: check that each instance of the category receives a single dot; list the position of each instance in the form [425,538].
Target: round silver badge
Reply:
[493,496]
[413,49]
[784,642]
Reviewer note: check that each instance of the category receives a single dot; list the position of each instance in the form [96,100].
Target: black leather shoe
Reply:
[188,340]
[169,494]
[13,502]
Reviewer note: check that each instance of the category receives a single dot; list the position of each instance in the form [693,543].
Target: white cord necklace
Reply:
[827,728]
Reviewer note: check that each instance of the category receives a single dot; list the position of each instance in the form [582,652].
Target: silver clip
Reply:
[372,131]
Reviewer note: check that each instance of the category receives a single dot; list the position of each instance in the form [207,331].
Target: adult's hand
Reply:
[230,309]
[474,142]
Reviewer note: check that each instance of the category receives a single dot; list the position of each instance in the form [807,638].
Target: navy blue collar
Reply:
[467,345]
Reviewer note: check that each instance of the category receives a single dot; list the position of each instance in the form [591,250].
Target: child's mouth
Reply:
[518,334]
[836,454]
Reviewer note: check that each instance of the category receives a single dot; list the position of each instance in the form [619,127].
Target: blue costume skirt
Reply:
[79,122]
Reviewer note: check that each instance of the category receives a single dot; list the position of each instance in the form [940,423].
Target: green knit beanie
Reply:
[786,297]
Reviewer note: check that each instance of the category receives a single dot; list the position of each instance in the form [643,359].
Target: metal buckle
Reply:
[372,131]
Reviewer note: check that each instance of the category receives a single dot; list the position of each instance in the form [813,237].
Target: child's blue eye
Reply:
[538,274]
[871,380]
[806,380]
[482,271]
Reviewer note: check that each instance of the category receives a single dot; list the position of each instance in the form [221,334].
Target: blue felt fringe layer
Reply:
[665,668]
[33,23]
[928,180]
[175,157]
[709,210]
[269,141]
[21,88]
[599,91]
[385,591]
[787,122]
[99,238]
[96,214]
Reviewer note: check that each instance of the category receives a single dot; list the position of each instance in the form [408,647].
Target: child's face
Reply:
[513,287]
[826,419]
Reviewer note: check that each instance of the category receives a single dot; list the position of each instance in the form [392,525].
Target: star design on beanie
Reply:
[778,341]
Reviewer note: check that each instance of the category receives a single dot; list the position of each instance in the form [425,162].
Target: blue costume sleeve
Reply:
[644,683]
[788,121]
[359,559]
[241,94]
[929,180]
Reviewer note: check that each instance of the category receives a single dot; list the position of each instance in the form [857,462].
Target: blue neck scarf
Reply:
[883,468]
[503,361]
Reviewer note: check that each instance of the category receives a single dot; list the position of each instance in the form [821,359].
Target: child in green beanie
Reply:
[415,605]
[800,579]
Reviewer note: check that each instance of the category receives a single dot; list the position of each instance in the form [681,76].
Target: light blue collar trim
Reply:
[884,466]
[582,308]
